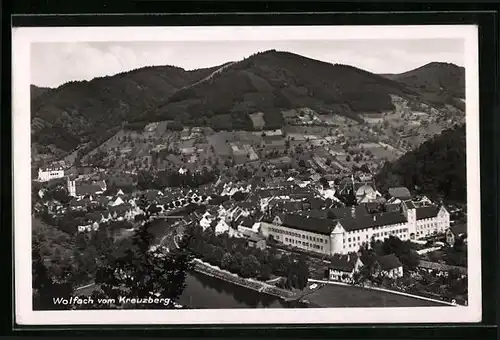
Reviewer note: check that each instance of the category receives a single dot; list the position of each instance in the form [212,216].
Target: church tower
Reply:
[71,187]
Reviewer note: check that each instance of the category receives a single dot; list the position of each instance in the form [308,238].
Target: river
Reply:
[204,291]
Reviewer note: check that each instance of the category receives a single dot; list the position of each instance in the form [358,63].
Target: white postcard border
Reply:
[23,37]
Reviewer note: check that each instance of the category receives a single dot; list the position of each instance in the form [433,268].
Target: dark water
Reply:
[204,291]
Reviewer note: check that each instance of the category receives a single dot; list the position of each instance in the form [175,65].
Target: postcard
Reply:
[246,175]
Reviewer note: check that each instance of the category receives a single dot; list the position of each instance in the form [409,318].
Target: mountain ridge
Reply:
[222,96]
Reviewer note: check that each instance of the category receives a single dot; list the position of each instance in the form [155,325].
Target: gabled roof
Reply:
[400,192]
[120,209]
[94,217]
[152,195]
[344,263]
[427,212]
[459,229]
[409,204]
[103,200]
[374,220]
[346,212]
[393,207]
[388,262]
[254,237]
[87,189]
[310,224]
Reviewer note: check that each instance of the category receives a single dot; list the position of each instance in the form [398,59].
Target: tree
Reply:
[265,272]
[145,270]
[302,272]
[226,261]
[236,263]
[45,288]
[324,182]
[250,267]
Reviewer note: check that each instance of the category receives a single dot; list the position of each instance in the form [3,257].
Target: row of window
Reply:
[303,243]
[427,225]
[306,237]
[375,228]
[54,174]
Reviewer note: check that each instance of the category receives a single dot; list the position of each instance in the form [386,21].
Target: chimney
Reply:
[348,257]
[353,211]
[374,217]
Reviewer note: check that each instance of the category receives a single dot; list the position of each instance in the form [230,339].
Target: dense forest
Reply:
[443,79]
[436,168]
[76,110]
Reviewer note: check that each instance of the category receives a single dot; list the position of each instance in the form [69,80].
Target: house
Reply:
[206,220]
[81,189]
[153,195]
[441,268]
[93,220]
[400,192]
[388,266]
[255,240]
[122,212]
[103,201]
[46,174]
[79,204]
[247,224]
[117,201]
[222,227]
[344,233]
[455,232]
[366,193]
[343,267]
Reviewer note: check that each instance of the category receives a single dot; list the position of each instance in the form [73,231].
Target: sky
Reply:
[53,64]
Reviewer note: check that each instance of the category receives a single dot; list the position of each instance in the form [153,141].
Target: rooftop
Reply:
[311,224]
[370,221]
[388,262]
[427,212]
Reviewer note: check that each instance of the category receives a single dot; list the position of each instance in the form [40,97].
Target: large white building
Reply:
[47,174]
[347,234]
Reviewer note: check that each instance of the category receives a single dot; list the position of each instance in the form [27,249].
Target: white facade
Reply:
[342,275]
[343,239]
[45,175]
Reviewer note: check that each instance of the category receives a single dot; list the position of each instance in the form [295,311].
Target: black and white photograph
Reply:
[228,175]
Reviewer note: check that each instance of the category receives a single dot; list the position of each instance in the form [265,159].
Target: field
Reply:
[258,120]
[352,296]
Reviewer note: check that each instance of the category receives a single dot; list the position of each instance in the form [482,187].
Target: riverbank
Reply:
[258,286]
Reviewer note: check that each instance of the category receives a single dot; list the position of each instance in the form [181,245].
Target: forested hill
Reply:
[79,111]
[438,83]
[37,91]
[272,81]
[436,168]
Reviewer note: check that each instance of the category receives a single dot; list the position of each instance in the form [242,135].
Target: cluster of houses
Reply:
[343,267]
[295,213]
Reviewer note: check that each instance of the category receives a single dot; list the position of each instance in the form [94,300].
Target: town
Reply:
[295,213]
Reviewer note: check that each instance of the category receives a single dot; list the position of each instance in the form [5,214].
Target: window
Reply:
[349,239]
[303,236]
